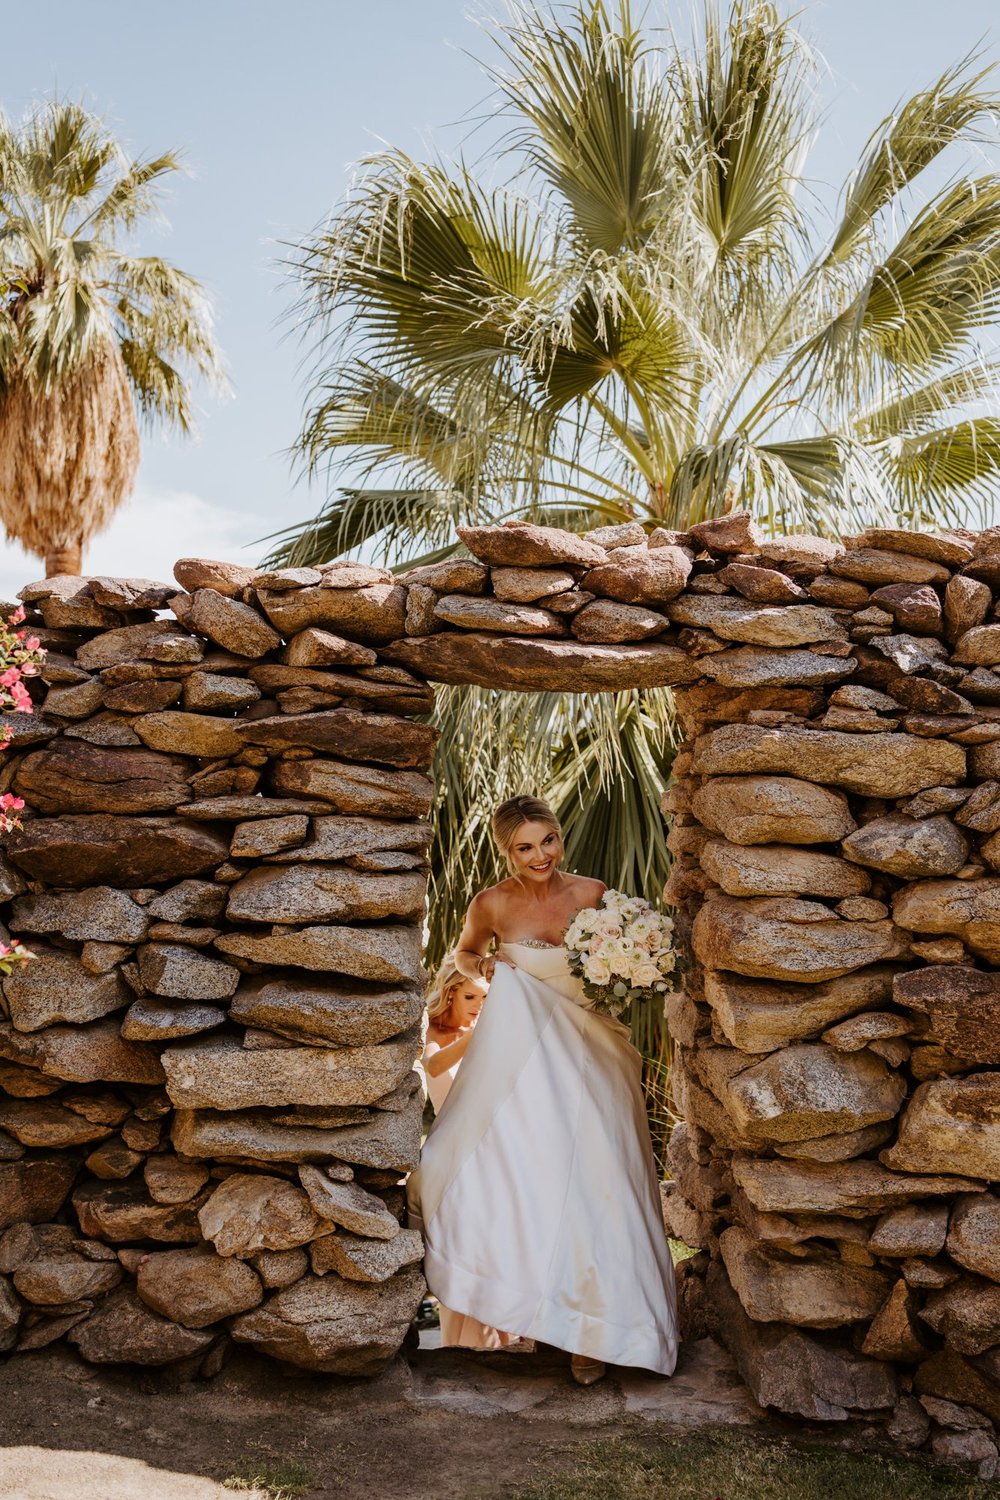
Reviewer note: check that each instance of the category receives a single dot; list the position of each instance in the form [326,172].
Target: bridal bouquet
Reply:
[621,951]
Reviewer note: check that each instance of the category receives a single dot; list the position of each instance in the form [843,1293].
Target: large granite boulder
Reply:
[366,790]
[325,893]
[388,1140]
[736,620]
[853,1188]
[974,1235]
[780,870]
[541,665]
[809,1293]
[234,626]
[34,1189]
[122,1330]
[963,1005]
[772,810]
[99,914]
[250,1212]
[756,1016]
[100,849]
[911,848]
[221,1074]
[71,776]
[371,615]
[197,1287]
[341,838]
[333,1325]
[348,733]
[55,987]
[793,1372]
[94,1053]
[885,765]
[812,1090]
[326,1011]
[951,1125]
[966,1315]
[385,953]
[348,1205]
[180,972]
[799,941]
[521,544]
[357,1258]
[124,1214]
[967,909]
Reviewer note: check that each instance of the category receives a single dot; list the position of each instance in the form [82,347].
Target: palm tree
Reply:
[93,339]
[643,322]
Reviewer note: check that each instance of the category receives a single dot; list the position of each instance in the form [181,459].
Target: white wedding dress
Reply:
[536,1191]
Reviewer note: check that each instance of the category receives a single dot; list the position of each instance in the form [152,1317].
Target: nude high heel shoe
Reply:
[586,1371]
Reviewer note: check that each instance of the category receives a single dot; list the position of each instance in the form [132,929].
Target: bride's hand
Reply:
[489,966]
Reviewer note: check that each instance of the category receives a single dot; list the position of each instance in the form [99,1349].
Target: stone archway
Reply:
[223,877]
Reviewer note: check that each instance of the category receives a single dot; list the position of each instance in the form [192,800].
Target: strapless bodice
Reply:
[549,962]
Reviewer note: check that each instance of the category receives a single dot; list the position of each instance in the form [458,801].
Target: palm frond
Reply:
[743,102]
[911,410]
[829,483]
[390,520]
[594,120]
[905,144]
[939,474]
[132,197]
[920,306]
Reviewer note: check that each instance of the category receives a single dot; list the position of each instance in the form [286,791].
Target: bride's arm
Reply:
[472,956]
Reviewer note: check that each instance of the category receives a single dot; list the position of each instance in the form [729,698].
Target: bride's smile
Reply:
[537,853]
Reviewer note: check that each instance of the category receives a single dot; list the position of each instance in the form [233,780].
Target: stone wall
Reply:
[836,812]
[224,878]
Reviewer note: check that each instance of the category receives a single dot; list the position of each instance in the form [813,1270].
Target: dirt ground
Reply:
[436,1426]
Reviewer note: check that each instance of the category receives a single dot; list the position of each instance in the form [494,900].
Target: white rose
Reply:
[618,957]
[645,975]
[597,970]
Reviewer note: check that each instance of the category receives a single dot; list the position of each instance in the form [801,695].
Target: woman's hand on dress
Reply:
[488,966]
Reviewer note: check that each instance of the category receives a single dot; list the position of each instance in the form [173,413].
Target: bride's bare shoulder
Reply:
[493,896]
[488,899]
[587,890]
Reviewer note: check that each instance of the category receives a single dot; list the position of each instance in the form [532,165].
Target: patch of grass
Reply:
[279,1478]
[729,1467]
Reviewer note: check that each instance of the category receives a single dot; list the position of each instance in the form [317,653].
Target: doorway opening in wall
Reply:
[601,761]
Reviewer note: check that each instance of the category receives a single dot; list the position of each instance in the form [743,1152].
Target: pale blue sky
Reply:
[270,106]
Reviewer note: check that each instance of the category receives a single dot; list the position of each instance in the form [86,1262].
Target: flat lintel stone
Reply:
[538,665]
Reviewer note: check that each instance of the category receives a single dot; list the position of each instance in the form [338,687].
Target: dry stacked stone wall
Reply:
[836,832]
[208,1091]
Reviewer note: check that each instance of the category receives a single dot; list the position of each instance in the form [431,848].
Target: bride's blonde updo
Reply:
[509,817]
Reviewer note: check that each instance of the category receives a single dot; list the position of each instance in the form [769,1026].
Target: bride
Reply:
[536,1190]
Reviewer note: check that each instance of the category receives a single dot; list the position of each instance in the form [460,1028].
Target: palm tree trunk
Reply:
[67,559]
